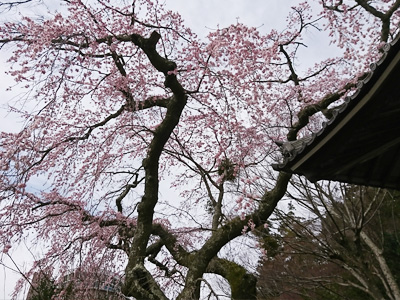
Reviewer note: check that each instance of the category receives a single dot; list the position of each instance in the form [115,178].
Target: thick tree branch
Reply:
[229,231]
[151,164]
[242,283]
[170,241]
[307,111]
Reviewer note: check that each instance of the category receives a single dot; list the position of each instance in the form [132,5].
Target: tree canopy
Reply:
[146,151]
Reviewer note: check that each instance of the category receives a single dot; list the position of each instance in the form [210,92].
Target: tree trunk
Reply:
[383,265]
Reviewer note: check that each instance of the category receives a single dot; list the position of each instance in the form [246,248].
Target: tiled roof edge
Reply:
[308,140]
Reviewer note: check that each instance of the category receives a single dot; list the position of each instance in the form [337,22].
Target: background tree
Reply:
[121,96]
[346,248]
[41,288]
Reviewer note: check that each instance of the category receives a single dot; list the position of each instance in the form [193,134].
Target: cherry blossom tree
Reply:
[146,151]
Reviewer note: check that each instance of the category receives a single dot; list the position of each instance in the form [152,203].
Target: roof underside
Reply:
[361,145]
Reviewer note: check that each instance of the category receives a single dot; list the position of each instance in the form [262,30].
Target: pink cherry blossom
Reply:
[145,151]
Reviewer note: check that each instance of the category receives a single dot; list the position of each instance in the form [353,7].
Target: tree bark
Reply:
[243,284]
[378,253]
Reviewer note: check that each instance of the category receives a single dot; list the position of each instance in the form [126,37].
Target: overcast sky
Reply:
[202,16]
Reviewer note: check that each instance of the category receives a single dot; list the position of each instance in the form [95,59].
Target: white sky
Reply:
[202,16]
